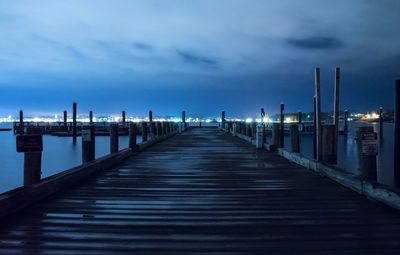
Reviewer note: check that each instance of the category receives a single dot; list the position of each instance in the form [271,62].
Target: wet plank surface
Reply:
[204,192]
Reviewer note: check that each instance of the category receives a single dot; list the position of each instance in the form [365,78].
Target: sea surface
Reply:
[59,154]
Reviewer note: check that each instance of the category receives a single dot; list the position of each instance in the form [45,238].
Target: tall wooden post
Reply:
[294,135]
[346,116]
[21,122]
[90,117]
[328,140]
[132,135]
[114,146]
[315,129]
[336,113]
[380,123]
[318,113]
[282,133]
[74,123]
[32,161]
[150,116]
[144,131]
[184,117]
[276,136]
[88,143]
[300,121]
[223,119]
[123,119]
[397,134]
[65,119]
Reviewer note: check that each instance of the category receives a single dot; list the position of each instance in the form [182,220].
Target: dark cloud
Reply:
[194,58]
[143,46]
[316,43]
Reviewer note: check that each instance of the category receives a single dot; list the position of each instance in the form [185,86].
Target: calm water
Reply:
[60,154]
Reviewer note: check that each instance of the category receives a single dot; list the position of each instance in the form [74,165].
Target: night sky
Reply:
[202,56]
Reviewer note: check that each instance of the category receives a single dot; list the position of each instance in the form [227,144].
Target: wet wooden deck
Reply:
[204,192]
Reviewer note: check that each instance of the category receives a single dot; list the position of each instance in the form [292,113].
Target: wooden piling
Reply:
[223,119]
[328,154]
[144,131]
[367,152]
[74,131]
[346,116]
[65,120]
[32,161]
[282,126]
[380,123]
[91,117]
[276,135]
[123,119]
[21,122]
[300,121]
[159,129]
[114,139]
[184,117]
[132,135]
[150,116]
[88,143]
[315,129]
[295,138]
[336,112]
[397,134]
[318,113]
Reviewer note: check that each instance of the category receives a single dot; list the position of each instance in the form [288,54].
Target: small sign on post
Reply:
[369,144]
[29,143]
[367,151]
[86,135]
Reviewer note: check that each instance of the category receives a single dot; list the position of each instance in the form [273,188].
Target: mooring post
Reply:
[144,131]
[397,134]
[114,146]
[282,133]
[318,113]
[260,136]
[328,141]
[123,118]
[65,121]
[276,135]
[33,159]
[300,120]
[315,129]
[346,116]
[380,123]
[132,135]
[367,152]
[90,117]
[21,122]
[88,143]
[223,120]
[74,122]
[184,118]
[336,113]
[295,138]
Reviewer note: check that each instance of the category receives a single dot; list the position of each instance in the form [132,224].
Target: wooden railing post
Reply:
[144,131]
[114,138]
[74,131]
[32,160]
[132,135]
[88,143]
[295,138]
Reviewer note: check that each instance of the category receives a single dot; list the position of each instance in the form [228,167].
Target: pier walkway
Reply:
[204,192]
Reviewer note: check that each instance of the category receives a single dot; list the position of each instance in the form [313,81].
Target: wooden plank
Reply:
[204,192]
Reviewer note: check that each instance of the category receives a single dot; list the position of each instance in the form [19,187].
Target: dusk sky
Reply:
[201,56]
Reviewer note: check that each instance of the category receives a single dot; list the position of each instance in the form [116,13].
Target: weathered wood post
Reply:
[21,122]
[223,120]
[184,118]
[164,128]
[300,120]
[380,123]
[259,136]
[144,131]
[276,135]
[235,129]
[74,122]
[346,116]
[318,113]
[336,113]
[367,151]
[397,134]
[248,129]
[159,129]
[65,120]
[90,117]
[33,159]
[295,138]
[315,129]
[114,138]
[88,143]
[132,135]
[327,146]
[123,119]
[282,133]
[151,125]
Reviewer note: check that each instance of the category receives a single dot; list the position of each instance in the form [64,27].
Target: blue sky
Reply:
[202,56]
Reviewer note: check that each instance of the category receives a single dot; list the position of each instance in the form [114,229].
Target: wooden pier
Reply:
[203,192]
